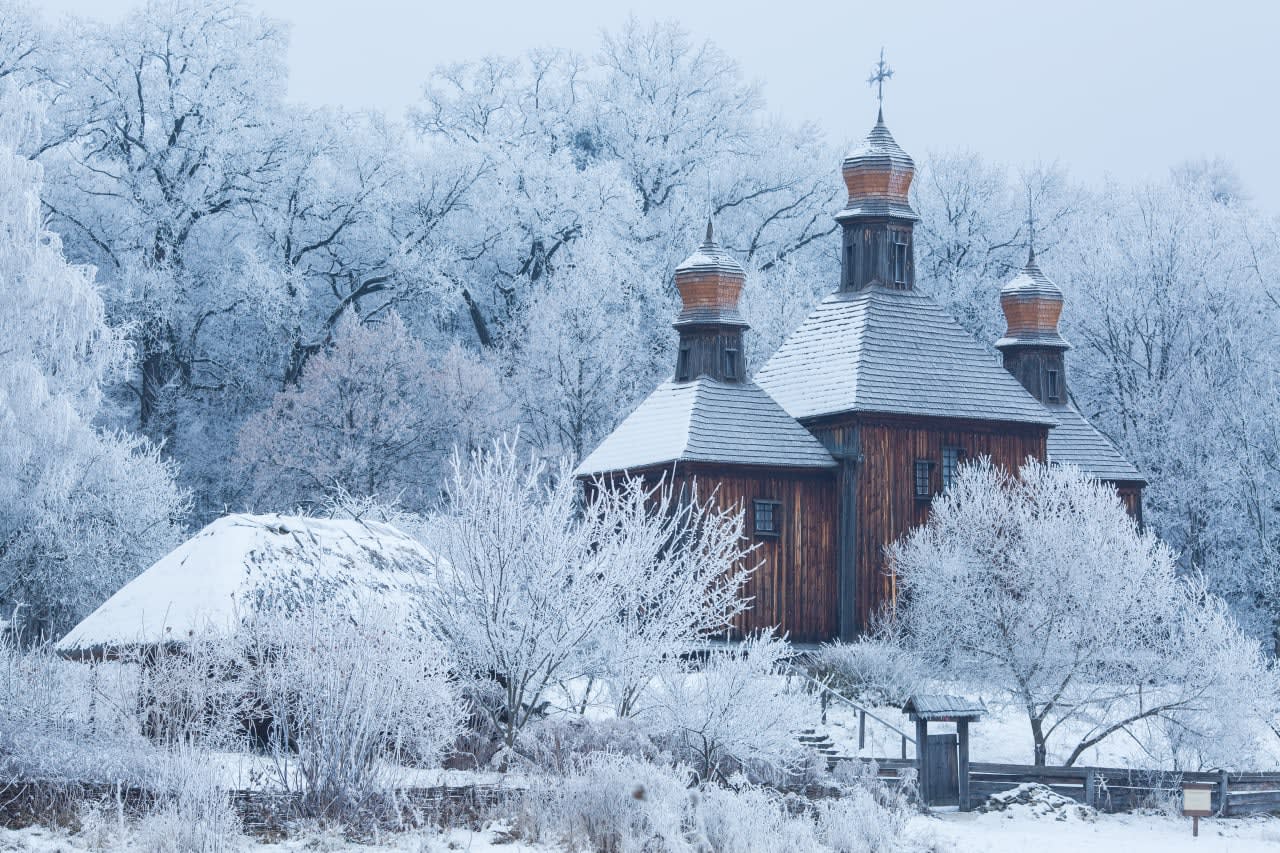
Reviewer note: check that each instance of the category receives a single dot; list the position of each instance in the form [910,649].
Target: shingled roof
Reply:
[1075,441]
[893,352]
[707,421]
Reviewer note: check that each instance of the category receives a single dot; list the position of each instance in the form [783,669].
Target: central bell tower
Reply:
[877,219]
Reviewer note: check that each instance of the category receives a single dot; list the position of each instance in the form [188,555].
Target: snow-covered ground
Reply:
[492,840]
[1020,832]
[1004,832]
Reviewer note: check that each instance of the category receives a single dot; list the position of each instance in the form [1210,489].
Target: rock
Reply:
[1038,801]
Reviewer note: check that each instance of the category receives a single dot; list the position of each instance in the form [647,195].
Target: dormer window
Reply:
[731,364]
[899,258]
[1051,386]
[682,364]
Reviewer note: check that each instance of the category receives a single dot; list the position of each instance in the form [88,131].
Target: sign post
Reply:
[1197,802]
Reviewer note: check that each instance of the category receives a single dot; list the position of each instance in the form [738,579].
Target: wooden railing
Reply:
[827,693]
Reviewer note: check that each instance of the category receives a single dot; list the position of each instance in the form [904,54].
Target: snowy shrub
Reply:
[66,721]
[350,699]
[873,670]
[750,819]
[557,744]
[194,815]
[735,710]
[614,804]
[617,803]
[196,694]
[860,822]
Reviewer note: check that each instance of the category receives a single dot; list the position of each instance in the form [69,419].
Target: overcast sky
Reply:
[1125,88]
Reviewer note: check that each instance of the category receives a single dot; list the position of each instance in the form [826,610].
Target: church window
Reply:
[731,364]
[951,457]
[899,258]
[768,517]
[682,364]
[922,477]
[1051,380]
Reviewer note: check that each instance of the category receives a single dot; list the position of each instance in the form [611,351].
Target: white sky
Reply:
[1126,87]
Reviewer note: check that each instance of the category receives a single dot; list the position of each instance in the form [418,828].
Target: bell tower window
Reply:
[899,258]
[731,364]
[682,364]
[1051,386]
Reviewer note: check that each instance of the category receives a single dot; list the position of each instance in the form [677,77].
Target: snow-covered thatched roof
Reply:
[220,575]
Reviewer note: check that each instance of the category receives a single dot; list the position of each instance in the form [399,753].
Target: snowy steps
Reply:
[820,743]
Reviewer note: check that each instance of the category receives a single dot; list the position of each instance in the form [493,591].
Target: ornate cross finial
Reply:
[879,74]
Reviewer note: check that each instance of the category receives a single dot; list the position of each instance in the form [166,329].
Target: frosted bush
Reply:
[350,700]
[736,710]
[557,744]
[752,820]
[616,804]
[873,670]
[858,822]
[196,816]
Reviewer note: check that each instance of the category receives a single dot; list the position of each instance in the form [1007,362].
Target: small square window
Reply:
[768,517]
[1051,383]
[951,457]
[731,364]
[922,476]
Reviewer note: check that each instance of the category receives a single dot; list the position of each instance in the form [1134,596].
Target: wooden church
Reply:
[840,442]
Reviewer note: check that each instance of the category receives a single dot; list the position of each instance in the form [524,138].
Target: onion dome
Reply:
[1032,304]
[710,282]
[878,176]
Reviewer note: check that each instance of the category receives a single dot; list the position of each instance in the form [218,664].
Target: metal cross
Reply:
[879,74]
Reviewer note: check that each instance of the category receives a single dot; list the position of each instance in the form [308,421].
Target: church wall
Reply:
[794,586]
[884,504]
[1131,496]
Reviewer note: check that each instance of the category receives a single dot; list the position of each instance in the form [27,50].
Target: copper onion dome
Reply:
[710,282]
[1032,304]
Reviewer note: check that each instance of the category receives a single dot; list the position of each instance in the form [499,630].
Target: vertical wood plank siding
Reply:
[794,585]
[885,504]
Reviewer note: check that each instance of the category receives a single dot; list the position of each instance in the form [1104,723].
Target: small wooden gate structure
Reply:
[942,760]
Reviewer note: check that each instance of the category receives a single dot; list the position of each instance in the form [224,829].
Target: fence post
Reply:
[826,701]
[904,746]
[862,729]
[1091,788]
[1222,794]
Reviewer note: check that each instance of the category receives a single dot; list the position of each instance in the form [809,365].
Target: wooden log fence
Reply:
[1117,789]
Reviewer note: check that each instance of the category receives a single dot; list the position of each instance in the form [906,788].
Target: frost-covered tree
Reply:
[735,707]
[1041,587]
[370,416]
[533,581]
[81,510]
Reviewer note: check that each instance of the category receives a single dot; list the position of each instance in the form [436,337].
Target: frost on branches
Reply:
[1041,587]
[537,589]
[82,510]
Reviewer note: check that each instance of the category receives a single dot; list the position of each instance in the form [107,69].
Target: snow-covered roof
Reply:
[893,352]
[215,578]
[1075,441]
[707,421]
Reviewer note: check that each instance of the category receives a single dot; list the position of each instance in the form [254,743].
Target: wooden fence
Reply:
[263,813]
[1117,789]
